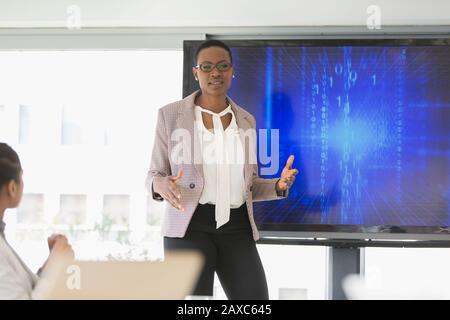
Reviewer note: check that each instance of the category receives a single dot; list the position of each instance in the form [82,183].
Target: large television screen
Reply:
[368,121]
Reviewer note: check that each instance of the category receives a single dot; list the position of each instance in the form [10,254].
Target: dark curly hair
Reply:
[10,167]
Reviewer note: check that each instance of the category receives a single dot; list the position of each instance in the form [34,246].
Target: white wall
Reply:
[136,13]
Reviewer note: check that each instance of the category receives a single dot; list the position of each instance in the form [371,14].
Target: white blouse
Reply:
[223,164]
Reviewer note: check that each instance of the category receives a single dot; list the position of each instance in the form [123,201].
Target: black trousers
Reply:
[230,251]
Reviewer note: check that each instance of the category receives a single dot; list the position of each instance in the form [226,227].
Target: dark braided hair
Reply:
[10,167]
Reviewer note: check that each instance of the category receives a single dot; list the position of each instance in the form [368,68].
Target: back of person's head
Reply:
[10,166]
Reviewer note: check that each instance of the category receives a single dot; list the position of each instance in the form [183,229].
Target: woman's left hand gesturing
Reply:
[287,176]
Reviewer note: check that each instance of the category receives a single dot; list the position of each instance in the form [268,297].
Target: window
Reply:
[83,124]
[116,210]
[154,212]
[31,210]
[72,210]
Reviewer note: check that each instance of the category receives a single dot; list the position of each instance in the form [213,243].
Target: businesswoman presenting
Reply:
[202,166]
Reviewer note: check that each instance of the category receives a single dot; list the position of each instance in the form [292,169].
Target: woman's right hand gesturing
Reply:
[168,189]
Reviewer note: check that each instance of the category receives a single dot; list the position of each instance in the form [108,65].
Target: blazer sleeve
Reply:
[264,189]
[159,164]
[10,288]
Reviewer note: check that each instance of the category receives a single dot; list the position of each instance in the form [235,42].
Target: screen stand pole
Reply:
[342,261]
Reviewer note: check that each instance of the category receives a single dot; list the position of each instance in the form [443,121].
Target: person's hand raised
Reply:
[59,246]
[168,189]
[287,176]
[60,251]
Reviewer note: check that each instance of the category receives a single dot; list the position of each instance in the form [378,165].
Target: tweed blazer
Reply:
[177,146]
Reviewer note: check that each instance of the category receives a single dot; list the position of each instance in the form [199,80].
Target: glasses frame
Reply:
[199,66]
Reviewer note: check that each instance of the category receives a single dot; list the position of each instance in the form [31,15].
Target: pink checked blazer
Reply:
[180,115]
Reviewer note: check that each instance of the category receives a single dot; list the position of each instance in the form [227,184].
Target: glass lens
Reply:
[207,67]
[223,66]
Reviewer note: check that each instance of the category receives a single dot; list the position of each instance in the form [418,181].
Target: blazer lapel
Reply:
[186,120]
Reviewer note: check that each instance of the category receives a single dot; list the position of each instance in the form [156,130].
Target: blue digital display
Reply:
[369,127]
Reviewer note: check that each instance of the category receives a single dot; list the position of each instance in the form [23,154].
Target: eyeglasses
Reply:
[208,66]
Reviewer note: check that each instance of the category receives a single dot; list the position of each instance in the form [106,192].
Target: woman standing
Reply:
[16,280]
[212,185]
